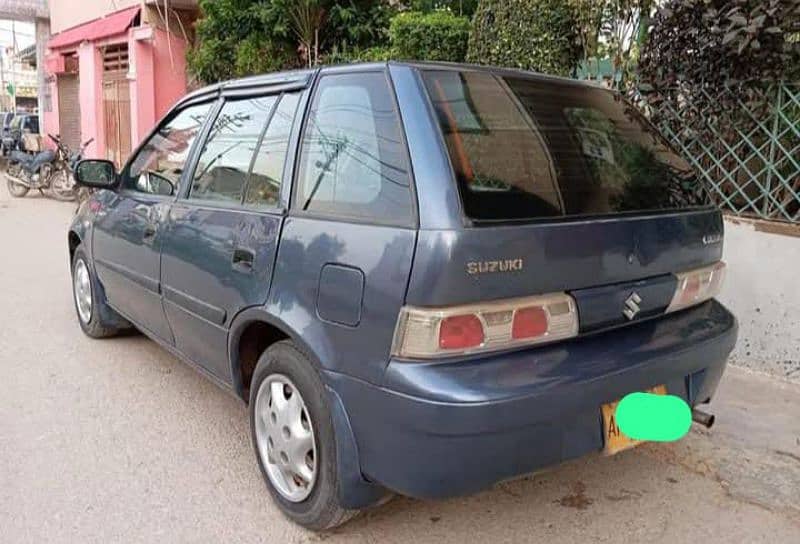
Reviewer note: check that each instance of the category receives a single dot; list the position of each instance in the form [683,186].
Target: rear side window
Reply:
[523,149]
[264,185]
[352,160]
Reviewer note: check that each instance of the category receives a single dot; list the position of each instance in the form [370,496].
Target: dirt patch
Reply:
[577,499]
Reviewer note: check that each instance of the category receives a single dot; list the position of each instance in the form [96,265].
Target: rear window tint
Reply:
[529,149]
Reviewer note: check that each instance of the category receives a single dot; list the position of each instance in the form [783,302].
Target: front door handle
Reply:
[149,232]
[243,259]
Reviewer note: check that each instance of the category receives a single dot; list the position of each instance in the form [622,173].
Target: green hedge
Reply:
[439,35]
[537,35]
[372,54]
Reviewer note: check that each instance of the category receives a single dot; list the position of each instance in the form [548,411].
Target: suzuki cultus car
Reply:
[423,279]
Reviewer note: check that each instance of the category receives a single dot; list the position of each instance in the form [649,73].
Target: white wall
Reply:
[763,289]
[68,13]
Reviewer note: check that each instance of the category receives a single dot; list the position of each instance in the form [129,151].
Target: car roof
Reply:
[497,70]
[288,78]
[301,78]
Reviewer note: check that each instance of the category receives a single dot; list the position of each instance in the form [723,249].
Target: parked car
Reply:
[22,123]
[422,278]
[5,125]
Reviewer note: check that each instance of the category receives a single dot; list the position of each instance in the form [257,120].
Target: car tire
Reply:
[101,321]
[318,507]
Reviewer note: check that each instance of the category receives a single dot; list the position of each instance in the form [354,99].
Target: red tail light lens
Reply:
[460,332]
[529,323]
[425,333]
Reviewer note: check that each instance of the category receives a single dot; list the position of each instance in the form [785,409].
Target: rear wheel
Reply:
[293,436]
[16,189]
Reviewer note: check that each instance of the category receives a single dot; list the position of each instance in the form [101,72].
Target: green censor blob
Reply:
[660,418]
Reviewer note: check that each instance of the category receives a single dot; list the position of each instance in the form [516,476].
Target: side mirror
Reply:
[150,182]
[96,173]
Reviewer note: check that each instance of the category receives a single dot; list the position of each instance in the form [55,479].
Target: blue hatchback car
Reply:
[422,278]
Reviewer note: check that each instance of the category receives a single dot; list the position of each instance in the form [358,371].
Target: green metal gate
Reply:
[749,156]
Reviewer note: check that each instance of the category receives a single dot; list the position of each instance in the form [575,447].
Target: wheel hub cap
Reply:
[285,438]
[83,291]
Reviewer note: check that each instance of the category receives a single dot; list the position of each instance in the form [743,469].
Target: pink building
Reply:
[112,74]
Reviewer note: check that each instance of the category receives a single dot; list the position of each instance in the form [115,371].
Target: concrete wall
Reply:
[24,10]
[90,75]
[42,28]
[763,289]
[158,80]
[68,13]
[169,64]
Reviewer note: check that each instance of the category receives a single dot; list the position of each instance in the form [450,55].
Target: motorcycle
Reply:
[64,173]
[47,170]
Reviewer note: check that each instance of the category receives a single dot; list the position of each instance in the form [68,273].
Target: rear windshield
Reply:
[524,149]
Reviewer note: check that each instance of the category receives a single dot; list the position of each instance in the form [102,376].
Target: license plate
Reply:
[616,440]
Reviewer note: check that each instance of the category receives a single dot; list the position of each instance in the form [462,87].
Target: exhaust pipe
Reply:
[704,419]
[19,181]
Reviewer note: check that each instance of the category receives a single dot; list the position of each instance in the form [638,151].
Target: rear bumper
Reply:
[455,427]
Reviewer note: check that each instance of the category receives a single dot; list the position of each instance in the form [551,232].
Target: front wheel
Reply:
[62,187]
[97,319]
[293,436]
[15,189]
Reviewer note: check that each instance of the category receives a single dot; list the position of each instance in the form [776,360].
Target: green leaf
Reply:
[730,36]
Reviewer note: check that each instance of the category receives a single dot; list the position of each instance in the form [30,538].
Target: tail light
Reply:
[436,332]
[696,286]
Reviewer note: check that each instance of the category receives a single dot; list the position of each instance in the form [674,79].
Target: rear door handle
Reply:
[243,259]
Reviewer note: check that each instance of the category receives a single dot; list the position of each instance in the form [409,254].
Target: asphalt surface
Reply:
[117,441]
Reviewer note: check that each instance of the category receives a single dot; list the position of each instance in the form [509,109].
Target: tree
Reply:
[242,37]
[464,8]
[623,30]
[710,71]
[437,36]
[713,44]
[589,16]
[614,29]
[307,18]
[540,35]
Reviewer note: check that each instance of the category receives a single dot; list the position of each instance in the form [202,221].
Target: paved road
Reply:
[117,441]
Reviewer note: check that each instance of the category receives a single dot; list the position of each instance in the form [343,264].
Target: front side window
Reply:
[223,166]
[158,166]
[524,148]
[352,160]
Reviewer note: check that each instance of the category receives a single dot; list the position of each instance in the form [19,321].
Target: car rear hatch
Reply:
[565,187]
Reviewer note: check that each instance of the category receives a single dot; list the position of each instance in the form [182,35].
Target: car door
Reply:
[128,231]
[219,247]
[347,245]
